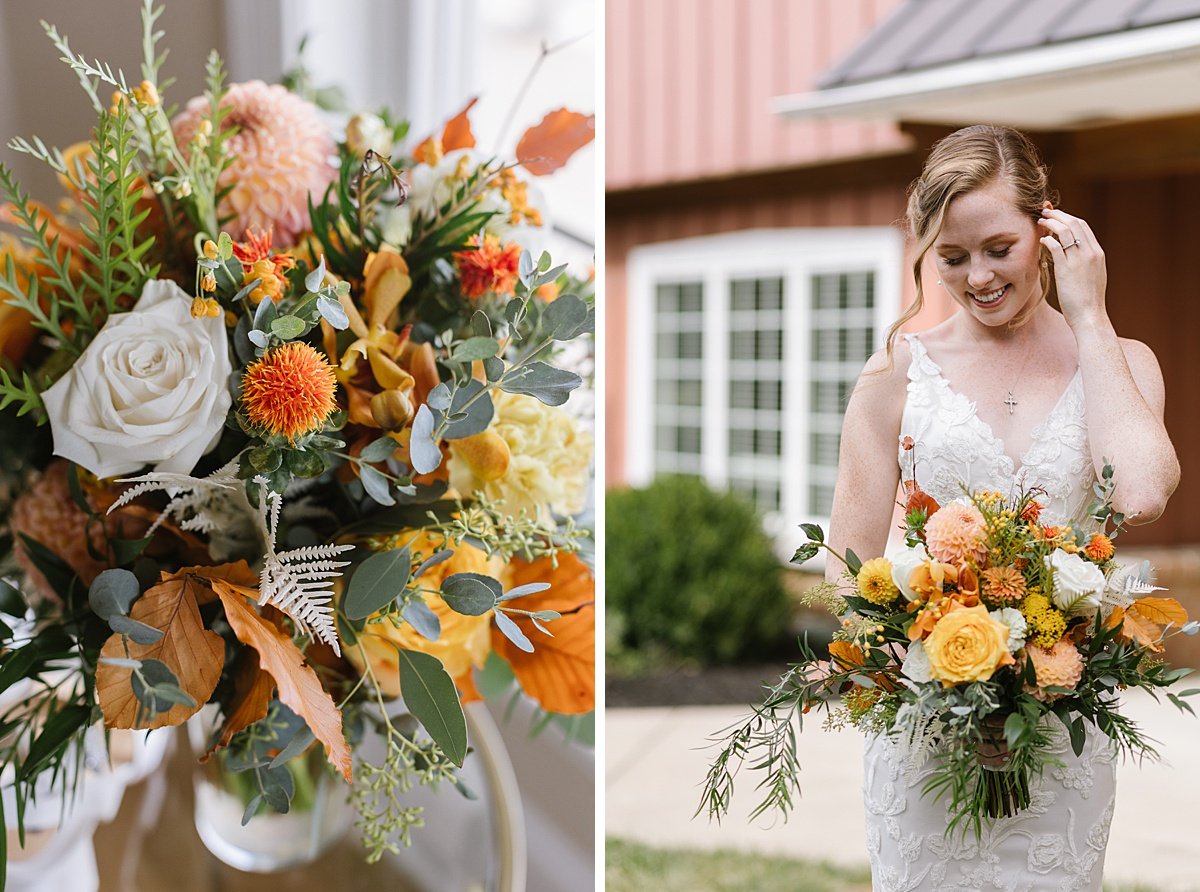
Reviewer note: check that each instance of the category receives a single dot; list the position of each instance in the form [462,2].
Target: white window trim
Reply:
[795,255]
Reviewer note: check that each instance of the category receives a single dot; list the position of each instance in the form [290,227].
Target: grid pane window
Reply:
[755,402]
[842,332]
[678,377]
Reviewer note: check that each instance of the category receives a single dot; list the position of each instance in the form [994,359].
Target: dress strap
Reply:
[920,366]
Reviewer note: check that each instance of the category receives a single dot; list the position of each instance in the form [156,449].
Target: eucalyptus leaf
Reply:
[471,594]
[426,623]
[513,311]
[528,589]
[493,367]
[265,314]
[247,288]
[436,558]
[258,338]
[287,327]
[138,631]
[225,245]
[430,695]
[377,582]
[333,312]
[376,485]
[316,277]
[475,348]
[539,379]
[423,451]
[472,409]
[112,593]
[481,325]
[566,318]
[513,632]
[301,740]
[121,662]
[439,397]
[379,450]
[525,265]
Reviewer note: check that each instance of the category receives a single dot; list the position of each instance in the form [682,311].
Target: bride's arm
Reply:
[1122,382]
[868,473]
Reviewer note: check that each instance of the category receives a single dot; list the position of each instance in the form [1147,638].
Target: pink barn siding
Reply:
[688,84]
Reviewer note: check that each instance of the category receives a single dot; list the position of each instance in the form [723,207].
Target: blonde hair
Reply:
[967,160]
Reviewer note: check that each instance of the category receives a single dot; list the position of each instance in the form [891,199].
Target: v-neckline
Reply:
[1018,464]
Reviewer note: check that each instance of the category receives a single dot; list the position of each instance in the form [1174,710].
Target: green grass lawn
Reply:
[632,867]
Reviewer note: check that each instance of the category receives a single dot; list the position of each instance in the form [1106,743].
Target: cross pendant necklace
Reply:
[1011,402]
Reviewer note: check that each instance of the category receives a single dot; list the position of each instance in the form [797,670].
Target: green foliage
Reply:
[691,571]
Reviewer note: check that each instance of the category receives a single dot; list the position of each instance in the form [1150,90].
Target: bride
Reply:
[1007,392]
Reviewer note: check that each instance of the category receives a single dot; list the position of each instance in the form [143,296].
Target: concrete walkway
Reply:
[656,763]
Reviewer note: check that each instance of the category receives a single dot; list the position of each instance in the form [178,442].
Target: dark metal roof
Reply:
[923,34]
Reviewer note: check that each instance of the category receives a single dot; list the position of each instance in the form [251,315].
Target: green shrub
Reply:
[690,573]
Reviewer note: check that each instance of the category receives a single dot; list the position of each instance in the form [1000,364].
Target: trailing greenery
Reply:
[691,572]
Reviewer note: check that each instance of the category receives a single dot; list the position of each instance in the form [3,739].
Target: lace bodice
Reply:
[1059,842]
[954,446]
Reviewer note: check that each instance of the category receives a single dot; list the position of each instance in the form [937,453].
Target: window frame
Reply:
[794,255]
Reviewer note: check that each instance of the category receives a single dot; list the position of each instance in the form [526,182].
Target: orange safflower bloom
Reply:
[1031,512]
[1099,548]
[290,391]
[488,267]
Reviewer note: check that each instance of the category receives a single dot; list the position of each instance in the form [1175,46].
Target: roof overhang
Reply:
[1148,72]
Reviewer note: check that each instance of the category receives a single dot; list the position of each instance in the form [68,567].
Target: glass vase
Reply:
[318,817]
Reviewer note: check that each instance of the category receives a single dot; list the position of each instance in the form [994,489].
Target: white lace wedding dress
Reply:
[1058,843]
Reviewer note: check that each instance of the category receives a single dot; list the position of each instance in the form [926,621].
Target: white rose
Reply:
[916,663]
[903,565]
[151,388]
[1017,626]
[1078,584]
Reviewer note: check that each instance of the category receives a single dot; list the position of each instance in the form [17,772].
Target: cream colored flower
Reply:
[150,389]
[967,645]
[549,459]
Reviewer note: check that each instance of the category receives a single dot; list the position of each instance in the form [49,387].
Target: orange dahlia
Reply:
[1002,586]
[956,533]
[488,267]
[290,391]
[1061,666]
[280,151]
[1099,548]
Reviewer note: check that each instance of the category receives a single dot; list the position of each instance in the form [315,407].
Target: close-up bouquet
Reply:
[286,451]
[986,637]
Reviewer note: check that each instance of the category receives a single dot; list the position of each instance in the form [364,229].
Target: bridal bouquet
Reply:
[987,629]
[284,431]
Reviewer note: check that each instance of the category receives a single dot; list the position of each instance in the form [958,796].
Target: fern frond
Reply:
[112,194]
[298,581]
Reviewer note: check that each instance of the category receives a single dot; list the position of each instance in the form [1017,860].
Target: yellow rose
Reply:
[967,645]
[465,641]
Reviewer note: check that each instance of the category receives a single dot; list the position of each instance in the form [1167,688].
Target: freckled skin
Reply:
[986,244]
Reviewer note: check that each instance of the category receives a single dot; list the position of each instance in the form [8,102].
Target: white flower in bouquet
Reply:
[916,663]
[534,458]
[369,131]
[151,388]
[903,565]
[396,227]
[1018,628]
[519,206]
[1078,584]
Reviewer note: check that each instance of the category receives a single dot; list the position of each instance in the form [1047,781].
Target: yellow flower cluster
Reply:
[1046,623]
[875,582]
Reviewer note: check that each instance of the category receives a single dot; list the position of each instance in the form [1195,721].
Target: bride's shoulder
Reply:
[885,375]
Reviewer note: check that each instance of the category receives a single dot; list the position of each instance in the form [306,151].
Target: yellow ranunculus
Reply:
[967,645]
[464,640]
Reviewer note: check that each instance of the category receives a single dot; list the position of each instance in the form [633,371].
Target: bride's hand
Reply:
[1079,271]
